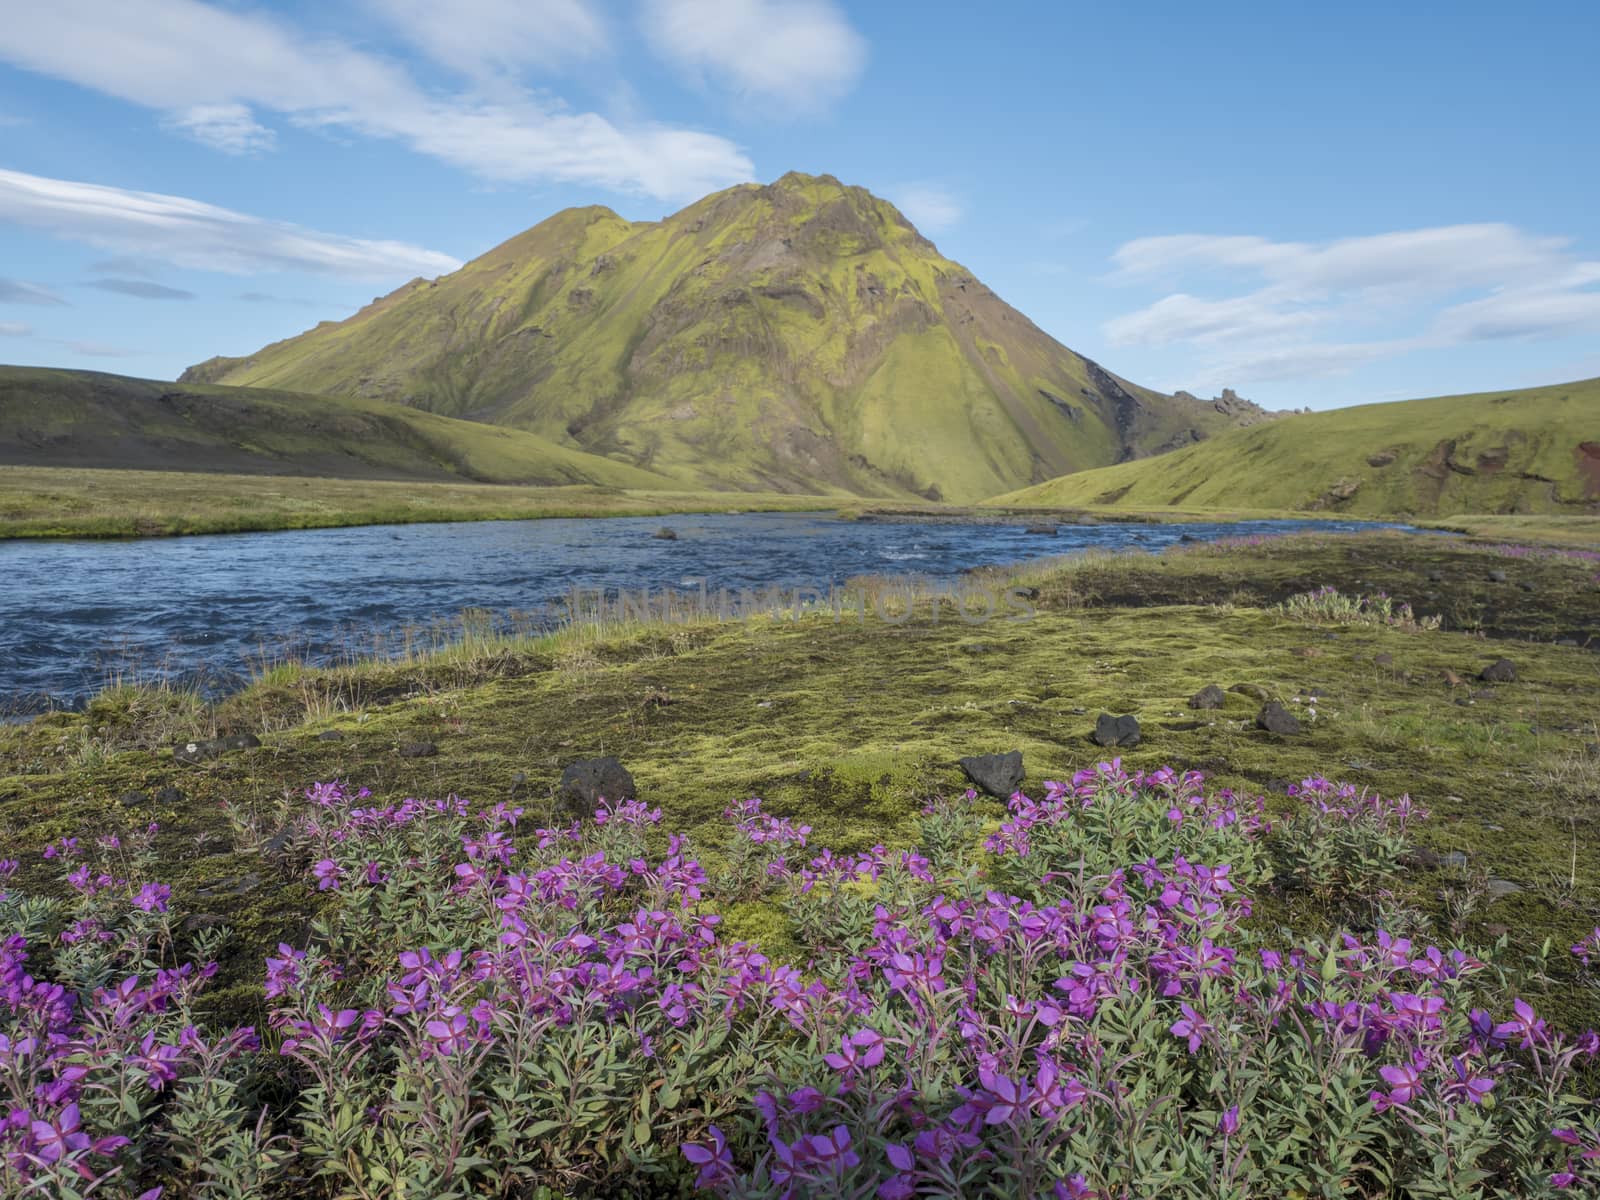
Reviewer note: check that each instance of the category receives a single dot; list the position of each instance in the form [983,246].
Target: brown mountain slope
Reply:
[797,336]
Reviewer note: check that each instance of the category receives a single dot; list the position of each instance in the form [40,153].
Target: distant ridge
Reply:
[799,336]
[90,419]
[1536,450]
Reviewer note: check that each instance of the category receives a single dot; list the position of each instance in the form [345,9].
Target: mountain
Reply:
[800,336]
[89,419]
[1530,451]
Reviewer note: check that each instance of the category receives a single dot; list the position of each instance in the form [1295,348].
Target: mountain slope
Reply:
[1530,451]
[89,419]
[796,336]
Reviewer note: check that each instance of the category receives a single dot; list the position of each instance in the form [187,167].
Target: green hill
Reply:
[89,419]
[801,336]
[1530,451]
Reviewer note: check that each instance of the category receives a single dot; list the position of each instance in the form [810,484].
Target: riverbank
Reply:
[848,724]
[51,502]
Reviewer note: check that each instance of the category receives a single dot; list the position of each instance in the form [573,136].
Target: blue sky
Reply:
[1316,205]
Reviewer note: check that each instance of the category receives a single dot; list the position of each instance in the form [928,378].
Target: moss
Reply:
[850,726]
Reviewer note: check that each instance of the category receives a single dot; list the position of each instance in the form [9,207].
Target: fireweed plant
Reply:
[1062,1003]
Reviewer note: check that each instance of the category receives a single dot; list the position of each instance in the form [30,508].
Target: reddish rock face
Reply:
[1588,456]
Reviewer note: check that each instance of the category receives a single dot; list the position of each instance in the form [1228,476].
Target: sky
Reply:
[1315,205]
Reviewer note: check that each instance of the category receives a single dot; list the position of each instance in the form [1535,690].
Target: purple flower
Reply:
[1524,1025]
[1228,1124]
[714,1161]
[328,873]
[153,897]
[1192,1026]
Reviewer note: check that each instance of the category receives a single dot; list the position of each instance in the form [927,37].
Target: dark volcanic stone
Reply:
[241,741]
[330,735]
[999,775]
[1275,718]
[133,799]
[1435,576]
[1026,593]
[199,751]
[665,534]
[418,750]
[1501,888]
[1116,731]
[278,843]
[1045,530]
[1504,671]
[170,796]
[1210,696]
[586,782]
[1497,576]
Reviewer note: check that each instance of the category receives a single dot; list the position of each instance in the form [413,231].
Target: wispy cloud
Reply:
[231,128]
[141,289]
[14,291]
[15,329]
[498,37]
[931,207]
[802,54]
[181,56]
[1299,309]
[190,233]
[269,298]
[99,350]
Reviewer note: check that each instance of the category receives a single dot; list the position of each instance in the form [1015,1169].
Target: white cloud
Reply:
[931,207]
[486,37]
[1182,317]
[231,128]
[15,329]
[98,350]
[177,55]
[15,291]
[1316,307]
[140,289]
[190,233]
[801,54]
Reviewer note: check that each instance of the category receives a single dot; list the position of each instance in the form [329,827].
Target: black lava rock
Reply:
[133,799]
[1044,530]
[664,534]
[585,783]
[1504,671]
[170,796]
[1210,696]
[330,735]
[999,775]
[1275,718]
[1497,576]
[1116,731]
[418,750]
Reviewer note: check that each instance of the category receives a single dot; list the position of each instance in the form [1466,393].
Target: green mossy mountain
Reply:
[1531,451]
[89,419]
[800,336]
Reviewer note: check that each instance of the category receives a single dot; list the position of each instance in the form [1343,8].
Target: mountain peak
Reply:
[799,335]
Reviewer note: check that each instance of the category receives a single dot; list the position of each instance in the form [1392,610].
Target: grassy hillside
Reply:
[1530,451]
[801,336]
[88,419]
[45,502]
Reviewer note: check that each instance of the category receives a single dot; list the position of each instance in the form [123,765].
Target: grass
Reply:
[1518,453]
[850,724]
[41,502]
